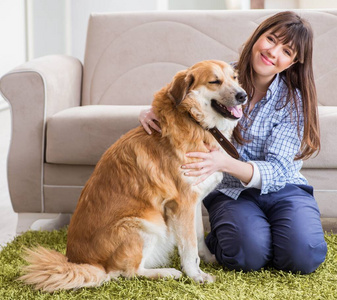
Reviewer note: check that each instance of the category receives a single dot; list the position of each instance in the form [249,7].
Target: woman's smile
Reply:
[266,60]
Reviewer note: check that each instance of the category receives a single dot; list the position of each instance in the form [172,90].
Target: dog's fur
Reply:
[138,204]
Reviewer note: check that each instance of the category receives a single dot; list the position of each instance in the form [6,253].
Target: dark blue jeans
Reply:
[282,229]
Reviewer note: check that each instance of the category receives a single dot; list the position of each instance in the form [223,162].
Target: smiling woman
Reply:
[281,127]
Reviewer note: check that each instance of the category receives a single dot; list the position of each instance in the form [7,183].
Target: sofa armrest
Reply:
[35,91]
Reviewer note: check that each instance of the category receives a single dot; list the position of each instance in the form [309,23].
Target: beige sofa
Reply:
[64,115]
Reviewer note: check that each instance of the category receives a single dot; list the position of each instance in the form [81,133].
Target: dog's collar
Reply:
[224,143]
[222,140]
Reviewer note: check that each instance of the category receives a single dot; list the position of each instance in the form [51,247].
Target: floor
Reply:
[8,218]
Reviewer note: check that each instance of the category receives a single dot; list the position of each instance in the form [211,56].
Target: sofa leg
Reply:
[41,221]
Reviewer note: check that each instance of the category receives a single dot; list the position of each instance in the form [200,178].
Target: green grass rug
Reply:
[264,284]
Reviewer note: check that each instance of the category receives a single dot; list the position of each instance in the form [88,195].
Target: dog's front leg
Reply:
[203,251]
[186,237]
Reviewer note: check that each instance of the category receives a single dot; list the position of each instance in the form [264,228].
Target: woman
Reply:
[264,213]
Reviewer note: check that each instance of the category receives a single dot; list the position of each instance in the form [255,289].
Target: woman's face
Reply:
[270,56]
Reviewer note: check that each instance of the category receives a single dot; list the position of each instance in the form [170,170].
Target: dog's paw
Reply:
[203,277]
[207,277]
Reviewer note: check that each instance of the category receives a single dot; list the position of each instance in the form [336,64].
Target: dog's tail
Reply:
[50,271]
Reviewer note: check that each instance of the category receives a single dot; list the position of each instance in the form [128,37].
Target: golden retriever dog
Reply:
[138,204]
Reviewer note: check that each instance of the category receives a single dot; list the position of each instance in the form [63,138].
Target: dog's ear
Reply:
[180,86]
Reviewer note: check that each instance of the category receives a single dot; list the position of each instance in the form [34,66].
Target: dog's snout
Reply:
[241,97]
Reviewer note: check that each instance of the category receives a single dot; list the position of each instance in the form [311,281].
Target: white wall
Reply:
[47,31]
[196,4]
[59,26]
[293,4]
[12,33]
[81,9]
[318,4]
[281,4]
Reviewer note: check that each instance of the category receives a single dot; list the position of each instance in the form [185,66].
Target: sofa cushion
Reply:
[80,135]
[328,124]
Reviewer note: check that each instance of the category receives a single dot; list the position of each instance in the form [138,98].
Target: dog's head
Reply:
[210,91]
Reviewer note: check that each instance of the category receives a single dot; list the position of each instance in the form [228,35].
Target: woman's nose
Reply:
[272,51]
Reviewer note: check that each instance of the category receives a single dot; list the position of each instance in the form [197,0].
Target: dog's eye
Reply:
[215,82]
[235,77]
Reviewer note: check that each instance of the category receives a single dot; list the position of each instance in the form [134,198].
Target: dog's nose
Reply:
[241,97]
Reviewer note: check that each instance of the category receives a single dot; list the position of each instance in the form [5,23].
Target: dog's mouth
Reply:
[232,112]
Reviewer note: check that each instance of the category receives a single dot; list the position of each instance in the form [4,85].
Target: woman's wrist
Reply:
[256,180]
[241,170]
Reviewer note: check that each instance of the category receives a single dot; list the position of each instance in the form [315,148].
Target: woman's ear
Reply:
[180,86]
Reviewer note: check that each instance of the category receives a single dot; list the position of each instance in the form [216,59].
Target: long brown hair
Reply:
[291,28]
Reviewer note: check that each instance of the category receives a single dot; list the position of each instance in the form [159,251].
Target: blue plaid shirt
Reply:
[273,142]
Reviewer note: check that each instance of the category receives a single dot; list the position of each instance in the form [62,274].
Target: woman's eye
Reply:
[270,38]
[287,52]
[215,82]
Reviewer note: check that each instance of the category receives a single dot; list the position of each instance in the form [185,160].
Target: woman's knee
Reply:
[240,236]
[240,249]
[304,255]
[298,237]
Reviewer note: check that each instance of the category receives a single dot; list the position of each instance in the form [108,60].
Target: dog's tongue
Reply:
[236,111]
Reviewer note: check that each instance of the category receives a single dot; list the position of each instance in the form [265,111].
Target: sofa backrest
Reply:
[130,56]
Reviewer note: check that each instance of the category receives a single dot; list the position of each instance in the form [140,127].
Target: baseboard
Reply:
[329,224]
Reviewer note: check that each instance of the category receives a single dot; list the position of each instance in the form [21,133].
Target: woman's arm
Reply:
[280,149]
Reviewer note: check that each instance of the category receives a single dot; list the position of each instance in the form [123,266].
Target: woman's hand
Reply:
[217,161]
[147,118]
[212,161]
